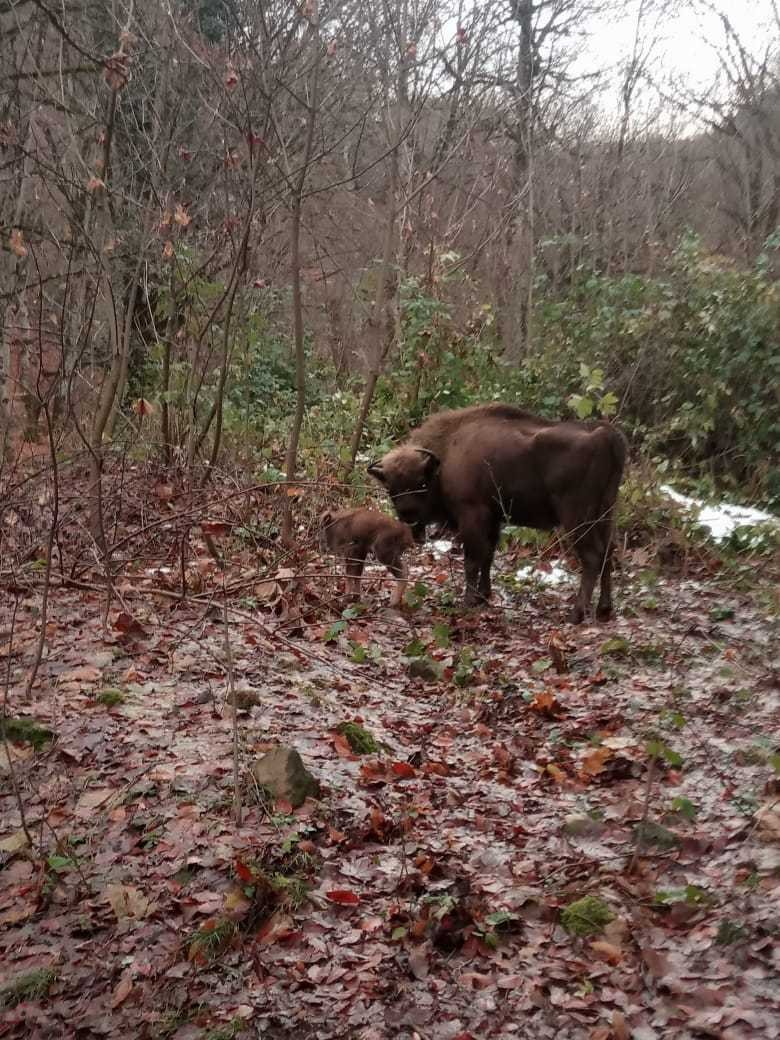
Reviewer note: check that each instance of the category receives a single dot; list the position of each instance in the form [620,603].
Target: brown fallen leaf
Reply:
[15,842]
[94,799]
[278,926]
[620,1028]
[123,990]
[127,901]
[86,673]
[418,961]
[593,763]
[546,703]
[607,951]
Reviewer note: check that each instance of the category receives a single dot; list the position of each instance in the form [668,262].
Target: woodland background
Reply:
[244,247]
[294,228]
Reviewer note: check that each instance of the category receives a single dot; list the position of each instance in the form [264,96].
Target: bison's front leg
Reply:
[479,536]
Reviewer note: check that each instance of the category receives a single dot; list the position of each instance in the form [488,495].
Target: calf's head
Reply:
[409,475]
[324,532]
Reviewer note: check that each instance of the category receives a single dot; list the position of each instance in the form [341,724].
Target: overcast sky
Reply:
[687,39]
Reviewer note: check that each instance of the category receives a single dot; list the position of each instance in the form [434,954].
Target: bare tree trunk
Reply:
[11,268]
[380,326]
[291,460]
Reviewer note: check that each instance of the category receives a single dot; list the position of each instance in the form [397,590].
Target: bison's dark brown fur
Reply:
[476,468]
[355,533]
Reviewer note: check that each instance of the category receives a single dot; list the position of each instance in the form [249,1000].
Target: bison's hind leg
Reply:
[604,607]
[591,547]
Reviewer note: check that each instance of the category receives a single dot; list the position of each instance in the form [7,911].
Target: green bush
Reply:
[689,359]
[693,356]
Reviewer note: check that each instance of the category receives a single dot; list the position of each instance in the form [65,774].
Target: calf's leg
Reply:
[395,564]
[355,564]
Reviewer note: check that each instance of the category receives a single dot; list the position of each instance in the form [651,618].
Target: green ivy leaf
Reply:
[334,631]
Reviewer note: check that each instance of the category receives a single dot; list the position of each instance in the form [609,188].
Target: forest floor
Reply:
[521,765]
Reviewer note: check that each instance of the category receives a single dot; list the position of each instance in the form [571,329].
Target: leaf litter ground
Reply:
[422,895]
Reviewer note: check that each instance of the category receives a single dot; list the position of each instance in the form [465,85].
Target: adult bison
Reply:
[476,468]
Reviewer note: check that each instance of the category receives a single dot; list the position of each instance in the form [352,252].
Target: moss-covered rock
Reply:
[587,916]
[358,738]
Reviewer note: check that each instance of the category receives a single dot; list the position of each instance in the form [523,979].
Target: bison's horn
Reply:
[375,469]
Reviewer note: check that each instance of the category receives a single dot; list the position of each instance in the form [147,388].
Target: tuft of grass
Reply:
[731,932]
[111,697]
[211,939]
[291,890]
[27,731]
[33,985]
[587,916]
[226,1032]
[650,833]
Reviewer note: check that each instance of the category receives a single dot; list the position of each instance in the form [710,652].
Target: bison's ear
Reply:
[432,462]
[375,469]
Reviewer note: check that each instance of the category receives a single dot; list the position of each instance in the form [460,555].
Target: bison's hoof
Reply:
[604,613]
[576,616]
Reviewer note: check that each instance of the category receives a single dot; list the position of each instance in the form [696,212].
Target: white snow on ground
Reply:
[440,546]
[555,575]
[721,519]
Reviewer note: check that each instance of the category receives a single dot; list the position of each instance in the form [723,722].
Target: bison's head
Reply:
[409,473]
[325,523]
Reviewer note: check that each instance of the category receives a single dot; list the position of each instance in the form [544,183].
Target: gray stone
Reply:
[282,773]
[579,825]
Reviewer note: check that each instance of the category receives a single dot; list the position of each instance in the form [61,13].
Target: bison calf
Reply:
[356,533]
[474,469]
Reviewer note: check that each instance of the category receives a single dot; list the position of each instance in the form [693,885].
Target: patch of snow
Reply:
[555,575]
[720,519]
[440,546]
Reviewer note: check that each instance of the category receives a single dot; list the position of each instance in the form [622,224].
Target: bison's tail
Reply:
[618,448]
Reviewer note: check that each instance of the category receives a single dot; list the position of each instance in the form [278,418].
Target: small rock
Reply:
[289,663]
[282,773]
[245,699]
[579,825]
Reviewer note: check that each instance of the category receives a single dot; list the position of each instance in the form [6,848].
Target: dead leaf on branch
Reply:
[117,71]
[143,407]
[16,243]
